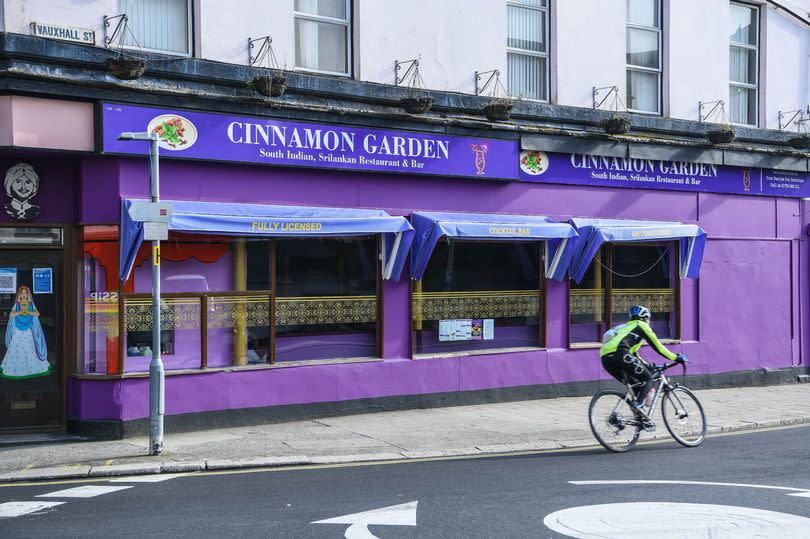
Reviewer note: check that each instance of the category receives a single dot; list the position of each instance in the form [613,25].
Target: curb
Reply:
[190,466]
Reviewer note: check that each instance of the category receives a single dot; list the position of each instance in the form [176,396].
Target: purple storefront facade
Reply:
[745,316]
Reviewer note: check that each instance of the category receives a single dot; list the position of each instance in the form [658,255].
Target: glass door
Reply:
[31,318]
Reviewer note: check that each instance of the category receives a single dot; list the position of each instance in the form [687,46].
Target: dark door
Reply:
[31,317]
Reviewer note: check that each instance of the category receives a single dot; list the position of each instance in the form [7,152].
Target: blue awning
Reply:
[594,232]
[429,227]
[276,221]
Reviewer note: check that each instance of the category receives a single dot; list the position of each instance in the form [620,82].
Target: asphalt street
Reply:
[761,488]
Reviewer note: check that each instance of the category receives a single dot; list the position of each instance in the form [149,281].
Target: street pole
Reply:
[156,372]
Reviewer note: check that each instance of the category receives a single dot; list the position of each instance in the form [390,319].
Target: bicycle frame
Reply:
[662,385]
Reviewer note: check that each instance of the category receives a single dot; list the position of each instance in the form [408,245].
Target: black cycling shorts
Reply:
[627,368]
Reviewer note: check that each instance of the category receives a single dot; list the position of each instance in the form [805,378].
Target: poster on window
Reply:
[455,330]
[489,329]
[43,280]
[8,280]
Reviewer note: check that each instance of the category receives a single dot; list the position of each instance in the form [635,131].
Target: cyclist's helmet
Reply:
[637,312]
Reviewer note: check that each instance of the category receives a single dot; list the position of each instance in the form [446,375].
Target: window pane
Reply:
[98,350]
[223,268]
[527,29]
[643,12]
[587,305]
[742,65]
[642,91]
[321,46]
[324,8]
[527,76]
[538,3]
[743,24]
[477,296]
[643,275]
[326,304]
[157,24]
[642,48]
[743,105]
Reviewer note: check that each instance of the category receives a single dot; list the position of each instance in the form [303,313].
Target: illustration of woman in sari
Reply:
[26,352]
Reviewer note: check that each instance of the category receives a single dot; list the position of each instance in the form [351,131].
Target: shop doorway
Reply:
[32,313]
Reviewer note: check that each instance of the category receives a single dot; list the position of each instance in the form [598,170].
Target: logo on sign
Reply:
[746,179]
[176,132]
[533,162]
[480,151]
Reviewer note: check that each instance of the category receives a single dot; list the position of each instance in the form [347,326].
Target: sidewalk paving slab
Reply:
[474,430]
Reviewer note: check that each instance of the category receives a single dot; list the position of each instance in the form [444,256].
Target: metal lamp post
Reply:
[156,372]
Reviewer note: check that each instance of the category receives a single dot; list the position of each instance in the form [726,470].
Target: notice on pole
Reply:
[43,280]
[8,280]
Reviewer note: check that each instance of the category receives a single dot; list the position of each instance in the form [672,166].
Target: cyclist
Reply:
[620,354]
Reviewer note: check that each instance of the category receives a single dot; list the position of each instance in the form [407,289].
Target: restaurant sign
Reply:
[220,137]
[582,169]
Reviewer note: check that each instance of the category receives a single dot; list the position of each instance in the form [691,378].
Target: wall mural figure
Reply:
[22,184]
[26,351]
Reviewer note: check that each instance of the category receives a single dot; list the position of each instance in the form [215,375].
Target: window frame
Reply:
[204,298]
[542,290]
[659,72]
[526,52]
[189,35]
[608,294]
[348,22]
[756,48]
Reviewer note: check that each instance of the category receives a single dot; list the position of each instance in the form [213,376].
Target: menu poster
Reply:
[455,330]
[489,329]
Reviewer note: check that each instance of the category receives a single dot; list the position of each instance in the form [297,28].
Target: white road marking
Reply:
[674,521]
[87,491]
[801,494]
[144,478]
[801,491]
[16,509]
[395,515]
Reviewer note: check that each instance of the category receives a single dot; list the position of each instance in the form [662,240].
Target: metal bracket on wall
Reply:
[120,28]
[702,105]
[792,119]
[263,49]
[412,64]
[596,91]
[494,74]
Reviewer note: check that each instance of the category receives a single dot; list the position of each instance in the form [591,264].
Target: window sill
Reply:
[447,355]
[281,365]
[586,345]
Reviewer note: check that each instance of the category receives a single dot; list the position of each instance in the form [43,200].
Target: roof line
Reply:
[789,11]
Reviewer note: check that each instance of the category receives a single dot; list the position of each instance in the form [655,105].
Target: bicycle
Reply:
[611,410]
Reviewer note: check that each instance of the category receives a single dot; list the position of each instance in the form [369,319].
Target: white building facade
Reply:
[664,56]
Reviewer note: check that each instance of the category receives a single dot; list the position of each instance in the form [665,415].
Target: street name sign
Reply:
[156,212]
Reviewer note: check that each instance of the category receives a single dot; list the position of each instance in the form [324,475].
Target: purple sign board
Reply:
[244,139]
[220,137]
[582,169]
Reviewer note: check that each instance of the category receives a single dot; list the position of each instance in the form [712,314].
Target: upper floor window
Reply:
[158,25]
[323,35]
[743,64]
[527,49]
[644,55]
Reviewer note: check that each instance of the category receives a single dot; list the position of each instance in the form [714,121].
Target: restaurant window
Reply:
[158,25]
[622,275]
[743,64]
[644,56]
[98,345]
[478,296]
[218,302]
[527,49]
[323,35]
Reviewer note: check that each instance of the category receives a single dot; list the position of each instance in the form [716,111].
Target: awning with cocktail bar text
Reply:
[430,227]
[277,221]
[594,232]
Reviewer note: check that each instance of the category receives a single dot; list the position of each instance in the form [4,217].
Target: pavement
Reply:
[510,427]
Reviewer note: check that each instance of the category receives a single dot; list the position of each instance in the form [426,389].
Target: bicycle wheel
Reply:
[684,416]
[613,422]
